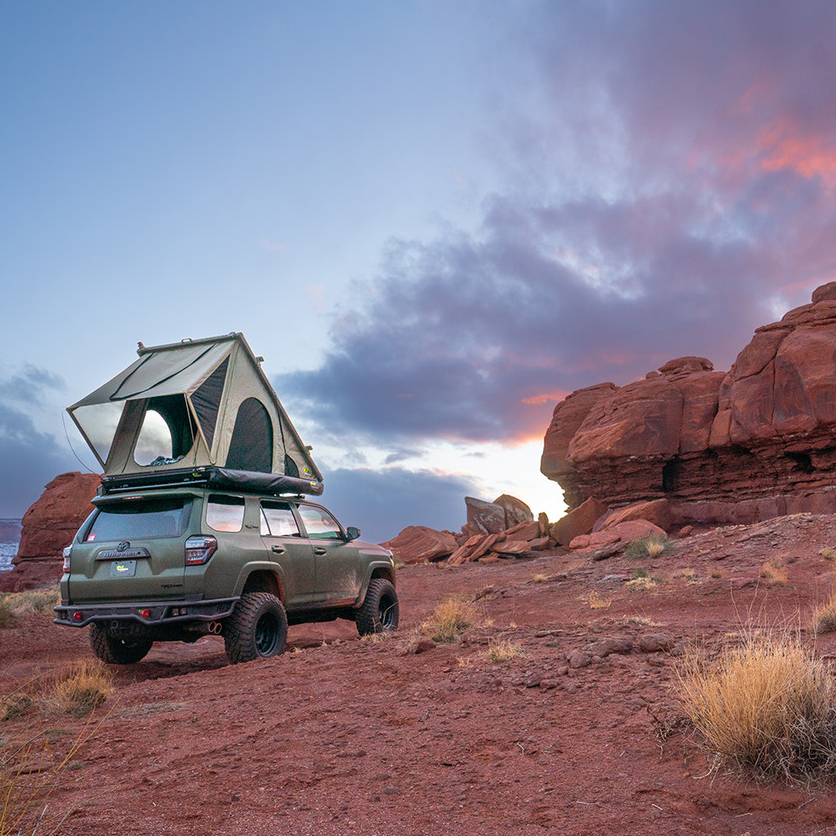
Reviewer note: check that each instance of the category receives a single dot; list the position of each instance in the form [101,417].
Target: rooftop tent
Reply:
[195,409]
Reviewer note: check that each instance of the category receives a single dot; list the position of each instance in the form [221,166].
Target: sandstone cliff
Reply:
[752,443]
[49,526]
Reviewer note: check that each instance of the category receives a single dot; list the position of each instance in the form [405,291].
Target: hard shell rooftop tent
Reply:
[197,410]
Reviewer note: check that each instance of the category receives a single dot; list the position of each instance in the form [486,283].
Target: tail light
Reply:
[199,550]
[67,552]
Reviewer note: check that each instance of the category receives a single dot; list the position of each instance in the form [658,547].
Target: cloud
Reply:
[667,181]
[28,385]
[30,458]
[383,502]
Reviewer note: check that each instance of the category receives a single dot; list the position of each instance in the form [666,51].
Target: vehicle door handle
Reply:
[320,550]
[277,549]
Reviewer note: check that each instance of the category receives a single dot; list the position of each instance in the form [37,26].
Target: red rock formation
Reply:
[48,527]
[753,443]
[418,544]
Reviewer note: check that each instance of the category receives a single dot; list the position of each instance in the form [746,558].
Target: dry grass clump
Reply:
[773,573]
[828,554]
[34,601]
[765,706]
[450,619]
[80,688]
[650,546]
[641,584]
[824,616]
[6,611]
[596,602]
[505,651]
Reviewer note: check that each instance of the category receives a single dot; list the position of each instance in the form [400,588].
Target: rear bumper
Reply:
[151,613]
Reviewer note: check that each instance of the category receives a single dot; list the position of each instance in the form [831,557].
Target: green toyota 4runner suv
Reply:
[175,564]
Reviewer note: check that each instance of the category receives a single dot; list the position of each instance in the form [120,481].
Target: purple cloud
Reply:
[668,181]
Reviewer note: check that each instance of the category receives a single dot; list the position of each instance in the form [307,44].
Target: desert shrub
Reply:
[6,611]
[13,705]
[504,651]
[641,584]
[766,706]
[25,603]
[596,602]
[650,546]
[824,616]
[80,688]
[773,573]
[449,619]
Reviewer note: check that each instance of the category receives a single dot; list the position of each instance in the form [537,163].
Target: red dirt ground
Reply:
[347,736]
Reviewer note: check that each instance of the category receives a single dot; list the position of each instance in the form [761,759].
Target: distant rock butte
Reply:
[707,446]
[48,527]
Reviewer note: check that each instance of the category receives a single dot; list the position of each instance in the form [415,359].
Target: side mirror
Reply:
[353,532]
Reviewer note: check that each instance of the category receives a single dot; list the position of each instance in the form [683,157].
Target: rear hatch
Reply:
[132,549]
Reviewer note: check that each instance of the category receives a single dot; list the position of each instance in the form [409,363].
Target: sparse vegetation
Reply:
[773,573]
[80,688]
[828,554]
[596,602]
[33,601]
[641,584]
[764,706]
[651,546]
[824,616]
[504,651]
[450,619]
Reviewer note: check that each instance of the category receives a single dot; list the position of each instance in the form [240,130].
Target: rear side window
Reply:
[319,523]
[225,513]
[277,520]
[146,519]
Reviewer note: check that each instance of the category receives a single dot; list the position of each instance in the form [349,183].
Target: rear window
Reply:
[131,520]
[225,513]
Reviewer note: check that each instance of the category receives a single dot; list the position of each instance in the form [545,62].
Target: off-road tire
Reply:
[379,611]
[116,651]
[257,628]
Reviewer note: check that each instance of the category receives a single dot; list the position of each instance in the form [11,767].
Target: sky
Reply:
[433,218]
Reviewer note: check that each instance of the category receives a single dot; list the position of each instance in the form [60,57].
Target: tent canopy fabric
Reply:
[194,404]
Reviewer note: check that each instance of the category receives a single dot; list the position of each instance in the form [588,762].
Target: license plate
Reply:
[123,569]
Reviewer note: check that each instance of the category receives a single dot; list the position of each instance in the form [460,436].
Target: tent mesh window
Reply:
[251,447]
[206,401]
[166,433]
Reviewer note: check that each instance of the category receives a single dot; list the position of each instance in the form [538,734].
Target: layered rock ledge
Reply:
[749,444]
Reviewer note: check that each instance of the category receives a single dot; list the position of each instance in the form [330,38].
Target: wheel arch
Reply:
[262,579]
[384,571]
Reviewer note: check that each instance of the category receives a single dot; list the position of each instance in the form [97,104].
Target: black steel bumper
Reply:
[152,613]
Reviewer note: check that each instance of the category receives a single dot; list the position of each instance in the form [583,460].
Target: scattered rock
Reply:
[614,644]
[484,517]
[656,511]
[577,522]
[418,544]
[578,659]
[511,547]
[419,645]
[655,643]
[516,511]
